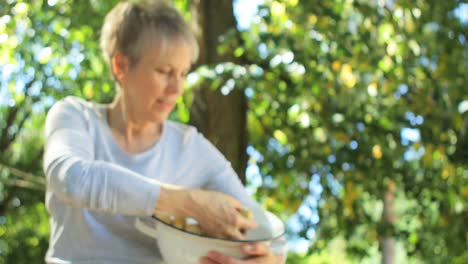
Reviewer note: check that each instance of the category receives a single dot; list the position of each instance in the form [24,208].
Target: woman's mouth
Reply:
[165,104]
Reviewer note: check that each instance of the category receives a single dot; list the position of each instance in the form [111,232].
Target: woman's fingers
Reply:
[259,253]
[244,223]
[235,233]
[218,258]
[241,226]
[256,249]
[262,255]
[206,260]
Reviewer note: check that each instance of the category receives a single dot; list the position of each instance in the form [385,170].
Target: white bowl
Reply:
[179,246]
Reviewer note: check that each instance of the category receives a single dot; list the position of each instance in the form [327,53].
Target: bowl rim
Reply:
[225,239]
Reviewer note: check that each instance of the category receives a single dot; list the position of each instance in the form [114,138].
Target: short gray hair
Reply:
[130,26]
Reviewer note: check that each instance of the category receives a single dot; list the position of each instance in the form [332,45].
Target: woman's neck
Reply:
[132,135]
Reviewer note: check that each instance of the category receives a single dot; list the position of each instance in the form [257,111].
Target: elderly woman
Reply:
[108,164]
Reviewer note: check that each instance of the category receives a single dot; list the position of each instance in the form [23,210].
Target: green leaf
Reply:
[280,136]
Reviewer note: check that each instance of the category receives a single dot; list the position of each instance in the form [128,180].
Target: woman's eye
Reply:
[163,71]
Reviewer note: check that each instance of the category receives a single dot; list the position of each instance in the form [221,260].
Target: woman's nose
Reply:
[175,85]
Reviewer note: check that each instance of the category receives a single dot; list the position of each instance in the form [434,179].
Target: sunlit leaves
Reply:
[7,49]
[20,9]
[280,136]
[277,9]
[320,135]
[346,76]
[386,33]
[366,64]
[377,152]
[44,55]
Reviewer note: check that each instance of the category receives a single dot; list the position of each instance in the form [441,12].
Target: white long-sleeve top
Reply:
[95,190]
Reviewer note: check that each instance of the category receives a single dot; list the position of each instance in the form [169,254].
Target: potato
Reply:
[193,228]
[179,222]
[164,217]
[246,213]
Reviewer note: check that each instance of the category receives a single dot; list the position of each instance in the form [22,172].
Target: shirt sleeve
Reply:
[78,180]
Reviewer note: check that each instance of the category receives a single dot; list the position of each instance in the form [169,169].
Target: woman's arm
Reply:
[76,178]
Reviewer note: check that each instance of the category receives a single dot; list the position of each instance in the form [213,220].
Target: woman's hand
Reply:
[260,254]
[219,215]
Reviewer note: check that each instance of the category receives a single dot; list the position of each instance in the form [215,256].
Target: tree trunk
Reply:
[222,119]
[387,242]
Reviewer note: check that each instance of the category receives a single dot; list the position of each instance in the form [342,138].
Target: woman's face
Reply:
[152,85]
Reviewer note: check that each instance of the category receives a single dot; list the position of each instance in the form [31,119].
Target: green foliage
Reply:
[24,234]
[357,58]
[334,87]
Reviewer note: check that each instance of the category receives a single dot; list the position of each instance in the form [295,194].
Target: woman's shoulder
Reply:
[187,136]
[72,111]
[188,141]
[180,132]
[75,105]
[71,103]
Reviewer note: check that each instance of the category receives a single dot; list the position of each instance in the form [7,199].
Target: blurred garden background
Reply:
[347,118]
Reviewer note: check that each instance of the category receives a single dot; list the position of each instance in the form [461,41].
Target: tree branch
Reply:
[5,139]
[11,138]
[8,197]
[11,116]
[25,184]
[25,175]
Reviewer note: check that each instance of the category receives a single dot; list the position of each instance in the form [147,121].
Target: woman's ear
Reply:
[120,66]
